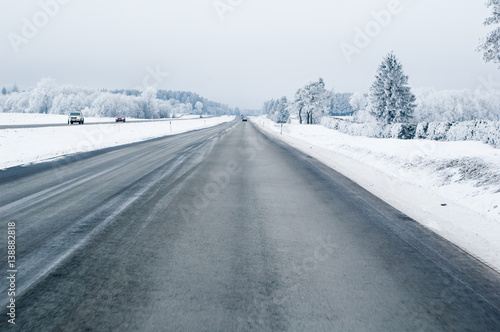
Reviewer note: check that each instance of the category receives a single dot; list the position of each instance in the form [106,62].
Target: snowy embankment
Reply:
[453,188]
[23,146]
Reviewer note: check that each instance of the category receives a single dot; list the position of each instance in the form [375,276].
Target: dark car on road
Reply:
[120,119]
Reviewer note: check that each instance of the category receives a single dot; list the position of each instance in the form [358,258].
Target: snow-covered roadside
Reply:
[30,145]
[7,119]
[452,188]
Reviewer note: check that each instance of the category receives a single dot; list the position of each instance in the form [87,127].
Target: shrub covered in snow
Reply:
[485,131]
[404,130]
[371,129]
[437,130]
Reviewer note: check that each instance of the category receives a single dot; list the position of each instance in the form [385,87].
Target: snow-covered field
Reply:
[29,145]
[452,188]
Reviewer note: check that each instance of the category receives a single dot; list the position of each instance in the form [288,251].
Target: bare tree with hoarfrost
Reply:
[313,102]
[490,46]
[391,99]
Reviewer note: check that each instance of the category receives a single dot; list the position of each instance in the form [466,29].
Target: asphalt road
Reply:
[224,229]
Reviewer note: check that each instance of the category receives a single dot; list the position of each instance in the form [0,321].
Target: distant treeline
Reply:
[51,98]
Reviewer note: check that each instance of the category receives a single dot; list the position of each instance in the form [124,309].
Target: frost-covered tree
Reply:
[15,88]
[151,103]
[106,105]
[358,101]
[490,46]
[312,101]
[269,108]
[299,105]
[4,91]
[42,95]
[339,104]
[277,110]
[199,108]
[188,108]
[272,106]
[165,109]
[359,104]
[209,107]
[266,107]
[280,113]
[391,99]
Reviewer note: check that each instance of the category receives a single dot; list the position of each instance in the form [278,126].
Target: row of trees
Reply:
[310,104]
[278,110]
[390,99]
[13,89]
[48,97]
[457,105]
[186,98]
[440,105]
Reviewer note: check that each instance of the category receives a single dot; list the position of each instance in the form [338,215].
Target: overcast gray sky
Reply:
[244,52]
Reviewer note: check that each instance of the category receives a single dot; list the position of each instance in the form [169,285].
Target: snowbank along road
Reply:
[225,229]
[61,124]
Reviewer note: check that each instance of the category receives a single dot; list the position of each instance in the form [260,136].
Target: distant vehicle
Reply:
[76,117]
[244,119]
[120,119]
